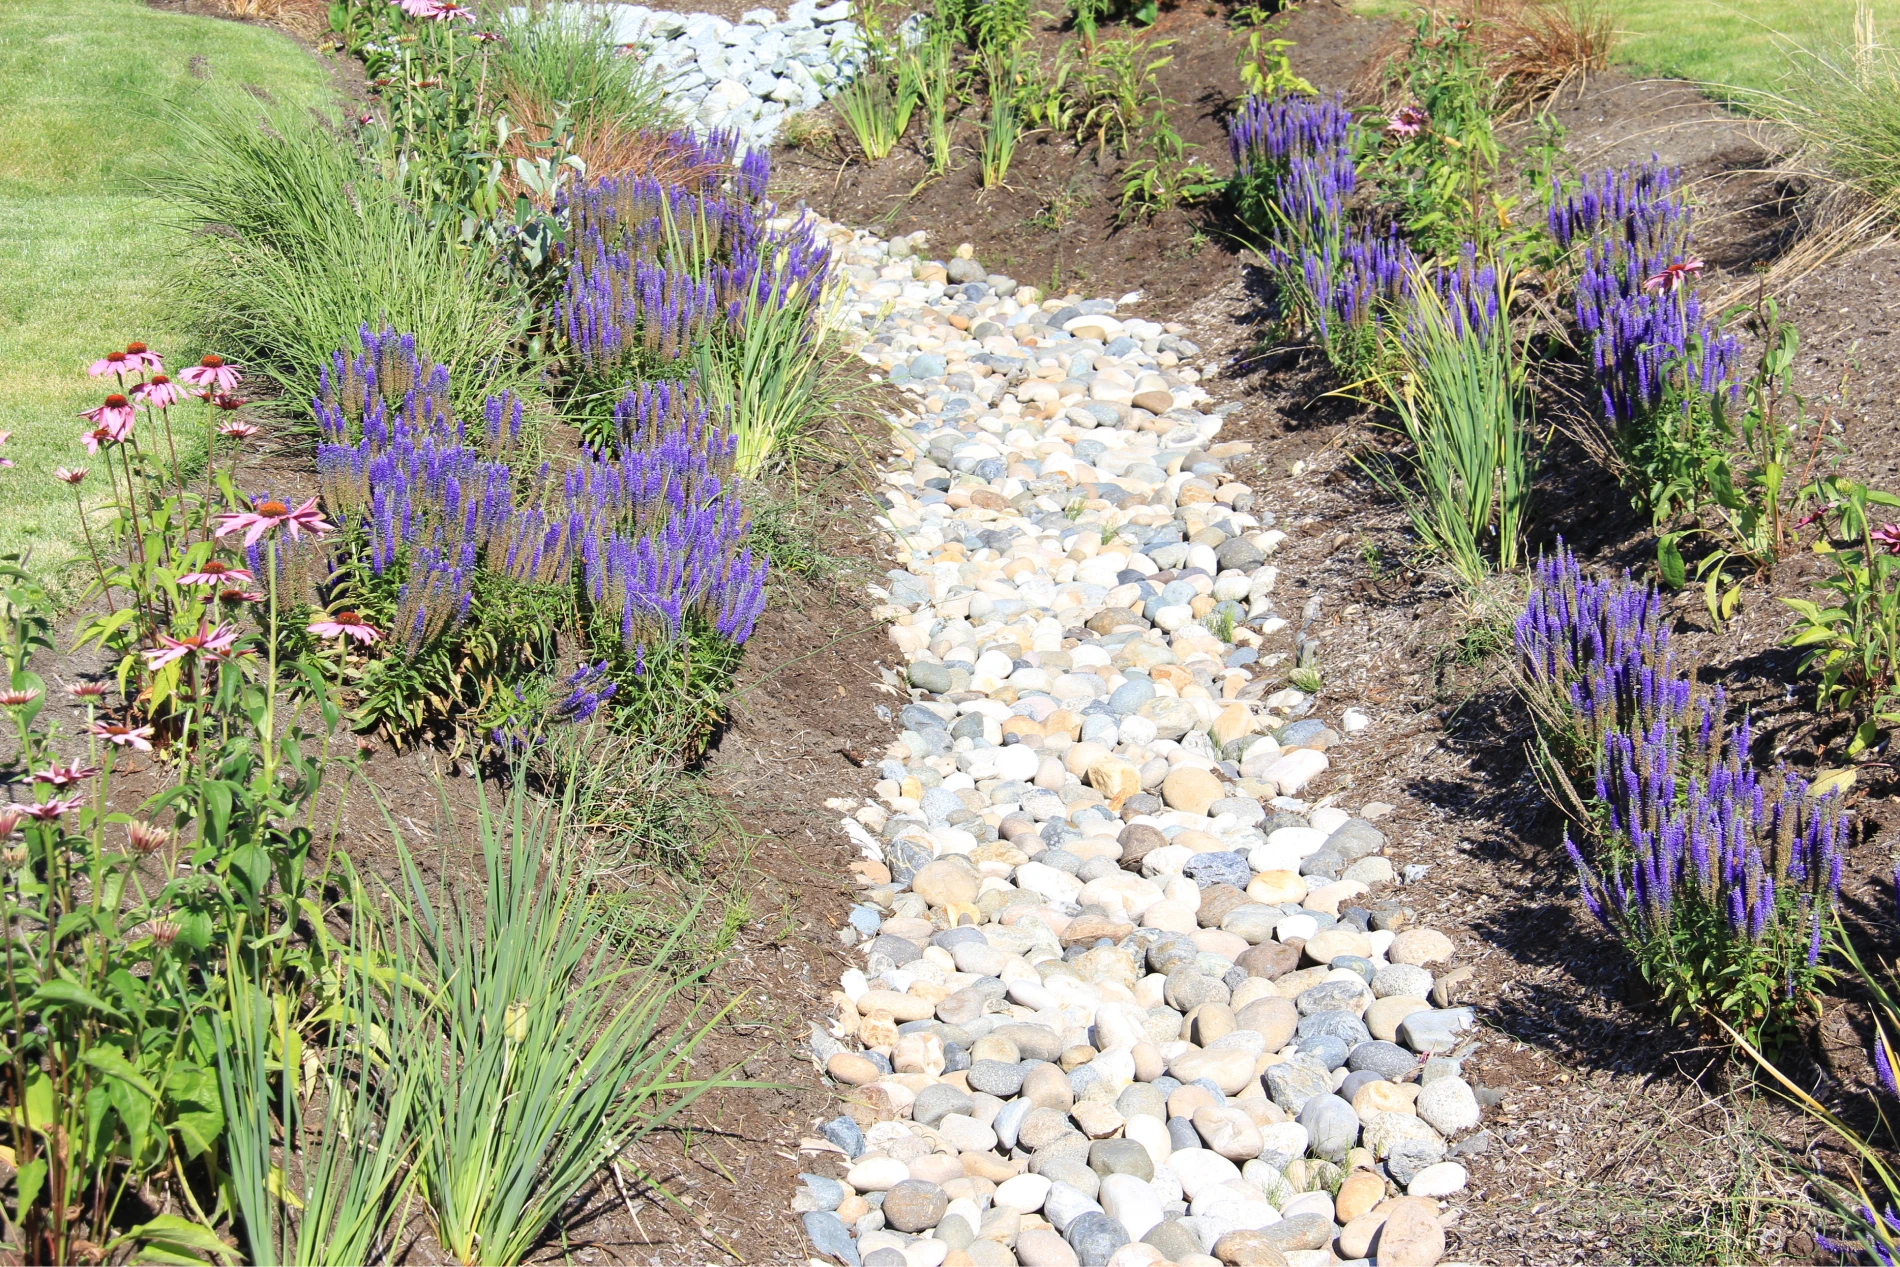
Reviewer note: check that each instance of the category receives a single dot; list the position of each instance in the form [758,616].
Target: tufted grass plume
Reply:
[297,242]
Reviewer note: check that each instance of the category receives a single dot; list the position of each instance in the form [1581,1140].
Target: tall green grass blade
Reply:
[328,1202]
[778,380]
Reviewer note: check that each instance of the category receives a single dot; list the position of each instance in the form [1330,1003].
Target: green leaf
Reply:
[1669,562]
[28,1182]
[109,1061]
[171,1239]
[68,994]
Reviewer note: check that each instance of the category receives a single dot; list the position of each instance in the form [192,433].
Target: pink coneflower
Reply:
[416,8]
[18,698]
[210,641]
[1887,535]
[96,437]
[87,690]
[164,931]
[10,817]
[140,357]
[157,392]
[47,811]
[240,596]
[64,775]
[1673,276]
[115,417]
[136,737]
[146,838]
[69,475]
[227,402]
[214,572]
[486,37]
[212,374]
[1406,122]
[113,363]
[346,624]
[269,514]
[239,431]
[5,462]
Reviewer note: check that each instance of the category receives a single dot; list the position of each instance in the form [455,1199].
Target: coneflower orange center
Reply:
[272,508]
[115,401]
[135,349]
[348,618]
[159,380]
[212,362]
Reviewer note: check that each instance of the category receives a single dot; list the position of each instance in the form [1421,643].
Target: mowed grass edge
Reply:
[89,94]
[1744,44]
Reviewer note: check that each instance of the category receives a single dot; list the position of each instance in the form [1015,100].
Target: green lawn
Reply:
[1744,43]
[87,89]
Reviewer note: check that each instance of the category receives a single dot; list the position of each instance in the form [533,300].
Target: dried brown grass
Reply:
[305,19]
[609,148]
[1537,48]
[1534,49]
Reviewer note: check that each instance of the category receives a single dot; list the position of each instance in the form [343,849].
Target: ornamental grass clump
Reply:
[542,1054]
[1454,377]
[1718,877]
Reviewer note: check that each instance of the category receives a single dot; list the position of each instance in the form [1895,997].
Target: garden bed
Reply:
[1615,1134]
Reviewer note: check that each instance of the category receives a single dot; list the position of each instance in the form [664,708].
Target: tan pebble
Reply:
[1244,1247]
[1386,1097]
[1327,897]
[1190,790]
[1047,1086]
[1098,1119]
[877,1030]
[1075,1057]
[1115,779]
[1411,1236]
[1330,943]
[1356,1240]
[1275,887]
[1234,721]
[989,1166]
[1384,1016]
[1209,1022]
[1148,1062]
[1183,1100]
[1361,1191]
[918,1053]
[851,1069]
[1419,946]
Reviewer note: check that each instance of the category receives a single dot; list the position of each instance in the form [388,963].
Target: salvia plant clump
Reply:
[648,531]
[1719,877]
[1293,175]
[1636,299]
[657,267]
